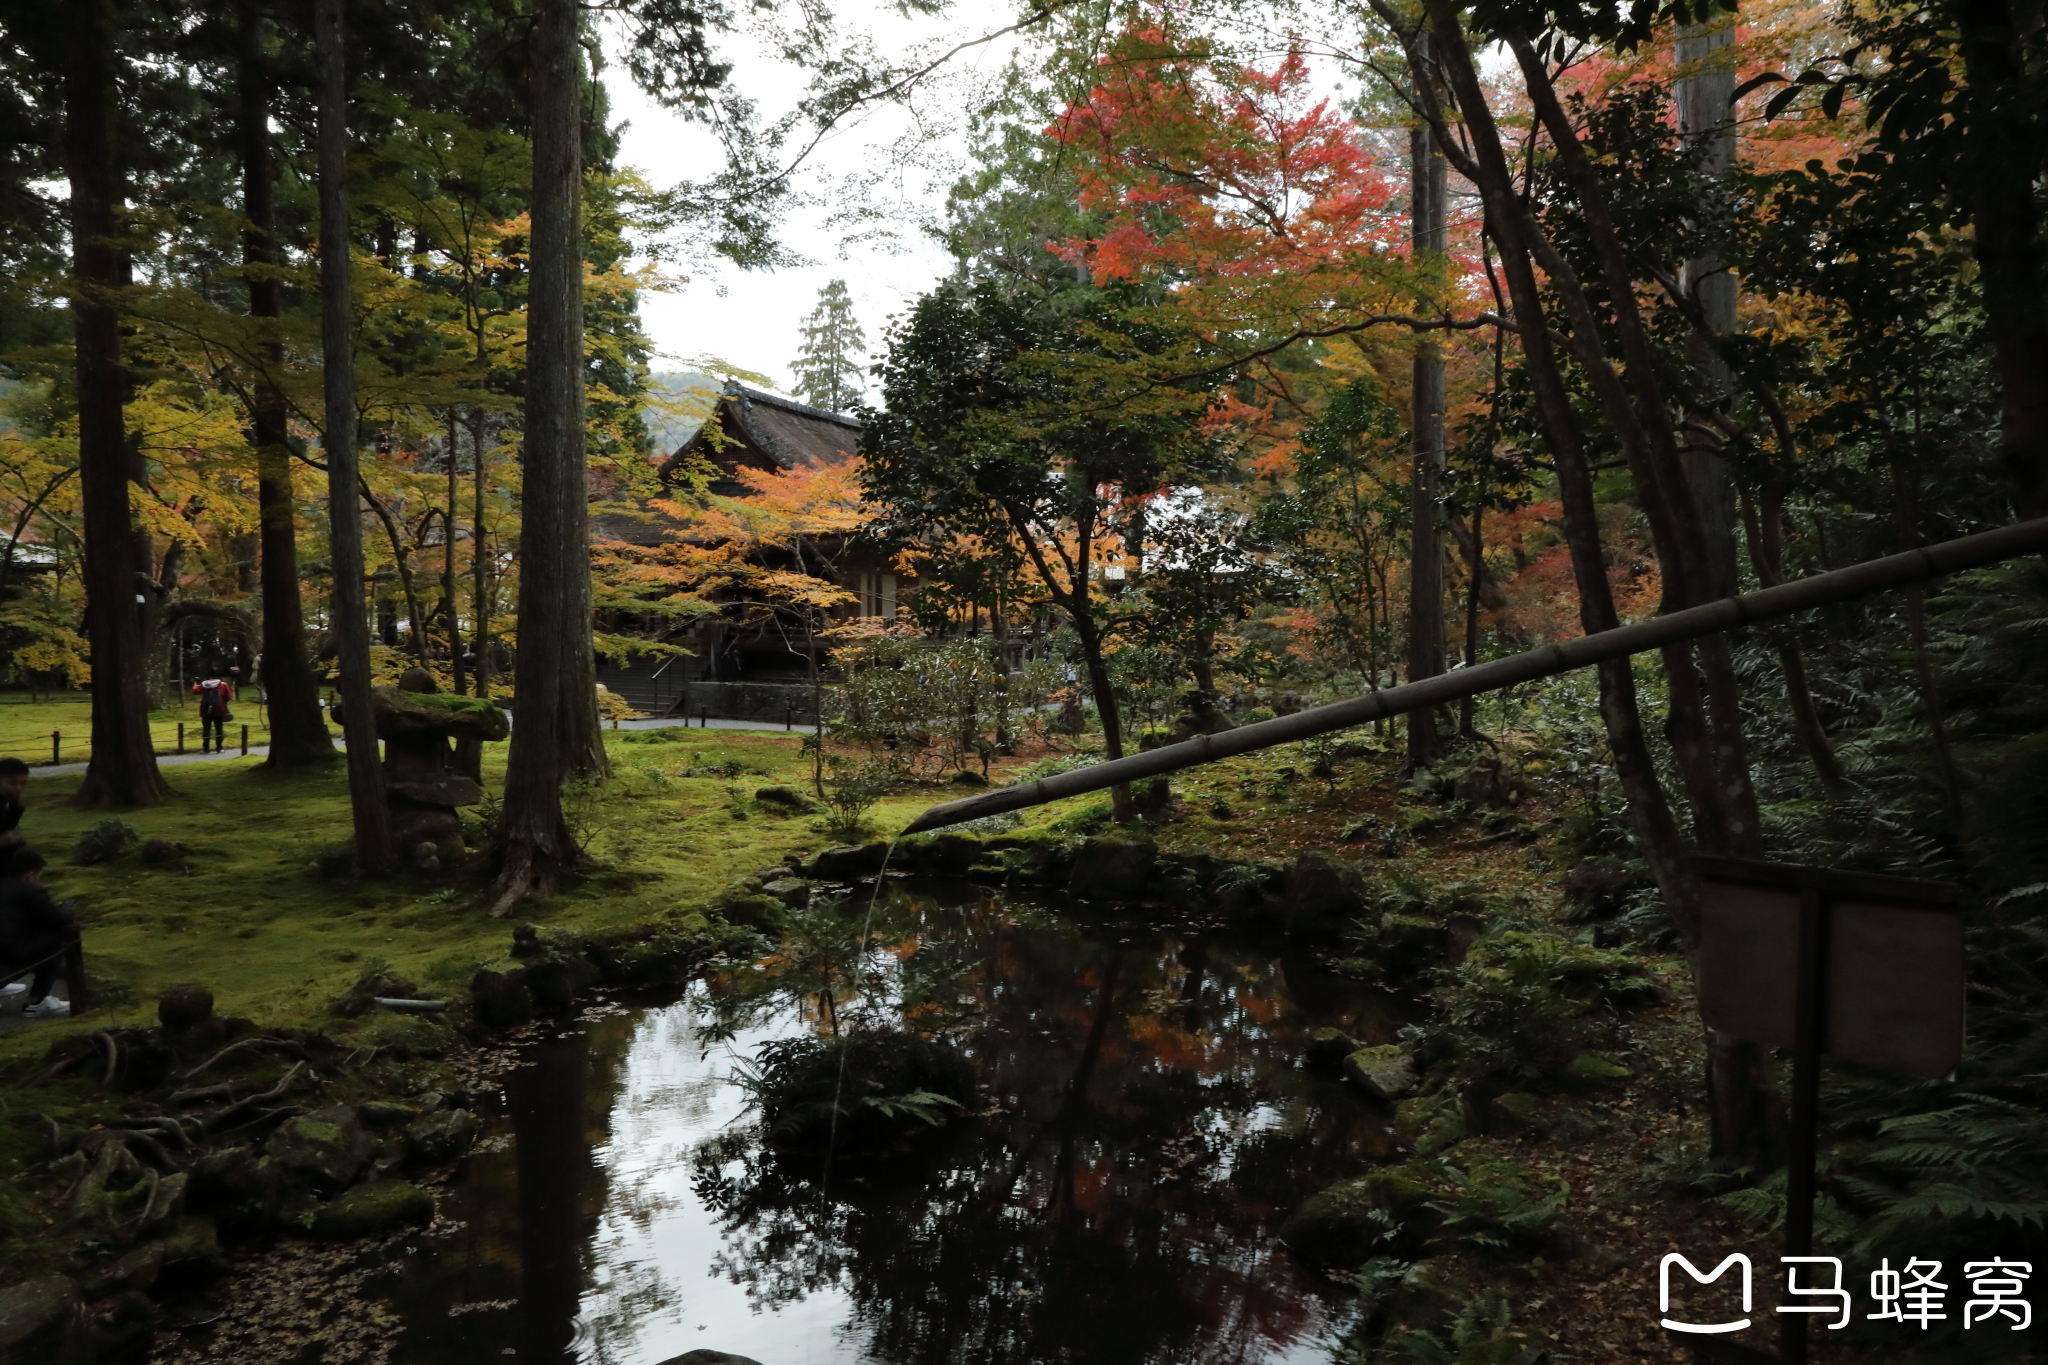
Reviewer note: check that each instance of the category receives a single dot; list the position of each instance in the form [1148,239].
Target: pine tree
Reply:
[826,376]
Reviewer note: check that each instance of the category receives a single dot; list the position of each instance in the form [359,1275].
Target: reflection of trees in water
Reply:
[1151,1129]
[640,1164]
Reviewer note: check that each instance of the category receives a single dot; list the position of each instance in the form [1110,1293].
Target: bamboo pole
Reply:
[1729,613]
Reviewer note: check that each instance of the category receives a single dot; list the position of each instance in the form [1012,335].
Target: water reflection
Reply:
[1145,1127]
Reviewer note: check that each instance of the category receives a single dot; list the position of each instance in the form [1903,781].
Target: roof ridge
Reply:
[734,388]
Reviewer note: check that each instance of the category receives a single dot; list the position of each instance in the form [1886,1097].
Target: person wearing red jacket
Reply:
[214,695]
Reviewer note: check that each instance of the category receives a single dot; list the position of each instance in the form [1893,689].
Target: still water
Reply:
[1145,1125]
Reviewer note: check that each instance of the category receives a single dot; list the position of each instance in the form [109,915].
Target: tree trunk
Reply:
[1428,188]
[2002,162]
[298,733]
[1475,570]
[480,564]
[415,621]
[456,670]
[122,770]
[554,684]
[1766,553]
[1705,95]
[375,849]
[1744,1130]
[1705,728]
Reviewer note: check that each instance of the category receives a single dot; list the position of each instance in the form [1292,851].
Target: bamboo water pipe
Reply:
[1728,613]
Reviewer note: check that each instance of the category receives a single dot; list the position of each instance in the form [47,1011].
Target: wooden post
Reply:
[56,742]
[245,741]
[181,736]
[74,976]
[1809,1021]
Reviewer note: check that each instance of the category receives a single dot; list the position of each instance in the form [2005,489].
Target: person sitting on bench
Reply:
[34,934]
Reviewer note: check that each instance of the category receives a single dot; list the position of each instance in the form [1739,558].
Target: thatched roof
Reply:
[763,431]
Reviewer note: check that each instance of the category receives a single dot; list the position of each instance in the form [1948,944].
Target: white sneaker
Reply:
[49,1007]
[12,989]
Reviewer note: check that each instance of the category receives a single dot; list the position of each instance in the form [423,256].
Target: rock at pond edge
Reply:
[1110,868]
[1328,1047]
[44,1318]
[1385,1072]
[328,1146]
[373,1210]
[441,1136]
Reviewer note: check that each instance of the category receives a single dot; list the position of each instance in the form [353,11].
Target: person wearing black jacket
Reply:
[13,782]
[34,932]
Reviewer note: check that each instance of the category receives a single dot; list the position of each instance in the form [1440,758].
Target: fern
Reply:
[924,1105]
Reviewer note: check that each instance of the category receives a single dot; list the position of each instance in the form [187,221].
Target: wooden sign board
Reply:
[1892,984]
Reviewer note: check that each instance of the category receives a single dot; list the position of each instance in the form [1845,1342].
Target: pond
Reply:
[1144,1125]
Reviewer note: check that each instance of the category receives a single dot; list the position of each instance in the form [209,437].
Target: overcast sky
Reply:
[751,318]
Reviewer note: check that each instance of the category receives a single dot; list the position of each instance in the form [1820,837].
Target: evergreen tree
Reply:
[826,376]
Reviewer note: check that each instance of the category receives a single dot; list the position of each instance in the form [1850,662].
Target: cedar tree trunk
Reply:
[554,684]
[123,770]
[298,733]
[375,851]
[1428,188]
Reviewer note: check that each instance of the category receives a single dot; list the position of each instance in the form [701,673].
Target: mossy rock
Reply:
[327,1147]
[374,1210]
[1320,894]
[501,999]
[1593,1069]
[1408,945]
[44,1319]
[555,980]
[440,1137]
[381,1115]
[1429,1123]
[1385,1072]
[404,1035]
[1384,1213]
[193,1243]
[756,910]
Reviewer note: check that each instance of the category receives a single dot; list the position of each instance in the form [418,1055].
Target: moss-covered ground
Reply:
[246,914]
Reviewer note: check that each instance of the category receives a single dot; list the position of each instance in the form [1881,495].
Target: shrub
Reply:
[852,791]
[1523,1004]
[104,842]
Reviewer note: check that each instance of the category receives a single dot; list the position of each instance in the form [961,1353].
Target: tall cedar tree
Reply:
[826,376]
[298,732]
[1428,188]
[123,769]
[554,676]
[370,812]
